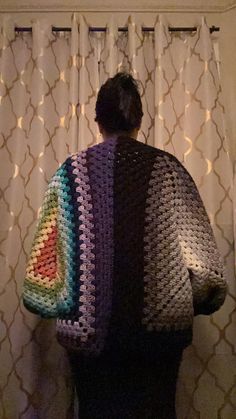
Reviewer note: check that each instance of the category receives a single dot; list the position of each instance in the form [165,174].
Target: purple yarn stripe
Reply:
[84,327]
[100,170]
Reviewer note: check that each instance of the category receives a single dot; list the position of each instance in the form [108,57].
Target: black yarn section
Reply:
[132,169]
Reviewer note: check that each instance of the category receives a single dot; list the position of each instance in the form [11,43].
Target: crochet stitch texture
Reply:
[123,249]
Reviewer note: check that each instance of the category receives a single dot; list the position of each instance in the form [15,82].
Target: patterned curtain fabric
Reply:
[48,87]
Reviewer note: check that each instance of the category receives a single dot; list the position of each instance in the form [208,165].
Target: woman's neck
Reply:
[132,134]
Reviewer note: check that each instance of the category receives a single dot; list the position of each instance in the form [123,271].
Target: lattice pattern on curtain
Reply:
[48,87]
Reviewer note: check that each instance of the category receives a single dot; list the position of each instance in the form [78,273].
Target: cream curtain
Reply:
[48,87]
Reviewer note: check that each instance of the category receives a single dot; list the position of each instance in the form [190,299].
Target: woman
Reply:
[124,256]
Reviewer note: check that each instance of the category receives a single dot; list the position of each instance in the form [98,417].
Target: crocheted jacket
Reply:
[124,254]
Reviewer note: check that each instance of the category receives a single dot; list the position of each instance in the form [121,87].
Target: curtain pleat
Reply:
[108,60]
[74,87]
[48,87]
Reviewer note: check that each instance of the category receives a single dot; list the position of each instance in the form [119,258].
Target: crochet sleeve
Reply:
[47,285]
[198,244]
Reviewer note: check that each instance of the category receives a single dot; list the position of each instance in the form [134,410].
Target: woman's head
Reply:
[119,106]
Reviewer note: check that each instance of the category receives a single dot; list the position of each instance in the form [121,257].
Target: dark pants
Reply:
[137,387]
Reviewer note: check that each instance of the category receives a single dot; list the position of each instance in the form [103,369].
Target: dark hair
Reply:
[119,106]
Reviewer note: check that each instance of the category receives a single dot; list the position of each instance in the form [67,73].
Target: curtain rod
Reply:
[122,29]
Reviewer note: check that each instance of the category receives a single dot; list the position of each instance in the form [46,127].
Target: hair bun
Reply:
[126,81]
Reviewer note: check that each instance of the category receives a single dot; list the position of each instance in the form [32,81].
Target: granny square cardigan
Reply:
[123,251]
